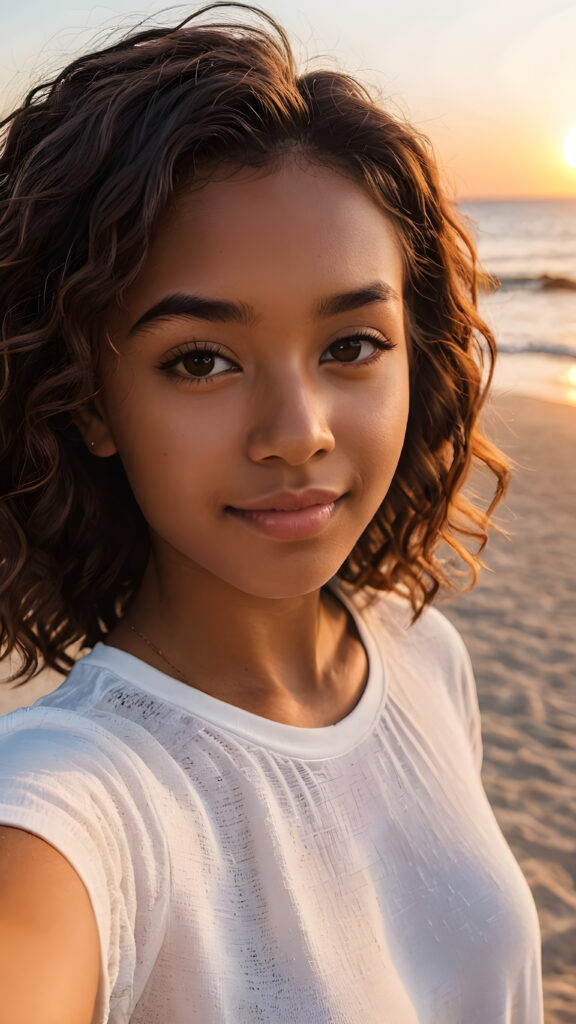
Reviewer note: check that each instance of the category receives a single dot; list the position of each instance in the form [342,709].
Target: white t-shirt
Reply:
[244,871]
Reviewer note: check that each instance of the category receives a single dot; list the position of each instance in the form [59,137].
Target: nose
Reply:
[290,421]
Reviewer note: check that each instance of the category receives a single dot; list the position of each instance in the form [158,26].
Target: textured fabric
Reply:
[245,871]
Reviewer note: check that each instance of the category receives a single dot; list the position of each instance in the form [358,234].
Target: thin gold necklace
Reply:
[157,651]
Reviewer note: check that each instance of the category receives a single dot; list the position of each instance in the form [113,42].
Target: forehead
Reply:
[285,235]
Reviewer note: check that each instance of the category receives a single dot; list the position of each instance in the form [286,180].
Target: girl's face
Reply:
[261,355]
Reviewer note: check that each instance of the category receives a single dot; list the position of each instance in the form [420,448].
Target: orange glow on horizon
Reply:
[484,159]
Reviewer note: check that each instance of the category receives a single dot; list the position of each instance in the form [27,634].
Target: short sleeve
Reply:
[81,789]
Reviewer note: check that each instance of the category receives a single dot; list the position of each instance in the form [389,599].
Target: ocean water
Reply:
[530,246]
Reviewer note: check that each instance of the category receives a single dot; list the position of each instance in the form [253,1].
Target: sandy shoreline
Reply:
[519,630]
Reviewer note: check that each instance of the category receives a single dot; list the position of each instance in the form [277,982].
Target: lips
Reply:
[289,501]
[289,515]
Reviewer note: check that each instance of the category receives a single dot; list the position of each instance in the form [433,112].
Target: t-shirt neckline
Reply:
[288,739]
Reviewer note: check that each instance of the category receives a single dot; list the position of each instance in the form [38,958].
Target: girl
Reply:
[241,378]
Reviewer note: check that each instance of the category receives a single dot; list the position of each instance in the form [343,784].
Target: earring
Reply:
[91,444]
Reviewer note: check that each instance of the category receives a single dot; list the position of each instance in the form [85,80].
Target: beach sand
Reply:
[519,627]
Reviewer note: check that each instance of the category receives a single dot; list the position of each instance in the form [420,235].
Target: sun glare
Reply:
[567,381]
[569,147]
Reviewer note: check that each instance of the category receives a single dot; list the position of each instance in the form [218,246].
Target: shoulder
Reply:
[58,766]
[432,636]
[39,738]
[81,788]
[85,724]
[61,766]
[427,658]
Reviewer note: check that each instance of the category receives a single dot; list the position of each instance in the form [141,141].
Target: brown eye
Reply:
[356,348]
[346,350]
[199,364]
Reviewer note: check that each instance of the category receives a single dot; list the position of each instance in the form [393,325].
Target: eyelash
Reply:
[215,350]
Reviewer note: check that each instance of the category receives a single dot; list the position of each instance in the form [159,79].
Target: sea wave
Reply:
[537,349]
[540,283]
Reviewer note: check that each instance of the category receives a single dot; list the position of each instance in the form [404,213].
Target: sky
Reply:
[492,84]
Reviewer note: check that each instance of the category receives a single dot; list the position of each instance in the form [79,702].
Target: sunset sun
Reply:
[569,147]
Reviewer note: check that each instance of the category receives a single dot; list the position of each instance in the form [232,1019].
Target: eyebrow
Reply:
[220,311]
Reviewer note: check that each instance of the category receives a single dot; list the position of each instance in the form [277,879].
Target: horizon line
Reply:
[550,197]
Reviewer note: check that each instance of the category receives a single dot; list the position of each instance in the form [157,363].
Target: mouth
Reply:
[303,518]
[290,501]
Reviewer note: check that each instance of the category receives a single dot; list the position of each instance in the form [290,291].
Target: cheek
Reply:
[168,454]
[165,467]
[382,416]
[383,433]
[155,422]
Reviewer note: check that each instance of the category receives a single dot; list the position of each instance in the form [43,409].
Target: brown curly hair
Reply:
[89,161]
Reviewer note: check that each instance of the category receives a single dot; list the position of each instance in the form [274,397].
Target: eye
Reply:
[200,363]
[357,348]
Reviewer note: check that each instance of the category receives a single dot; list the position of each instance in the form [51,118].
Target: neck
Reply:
[283,658]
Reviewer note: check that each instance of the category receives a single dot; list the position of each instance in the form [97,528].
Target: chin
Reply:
[276,585]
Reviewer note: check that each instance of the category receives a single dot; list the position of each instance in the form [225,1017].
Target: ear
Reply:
[92,423]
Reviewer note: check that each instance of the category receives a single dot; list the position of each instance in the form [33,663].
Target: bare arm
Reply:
[49,948]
